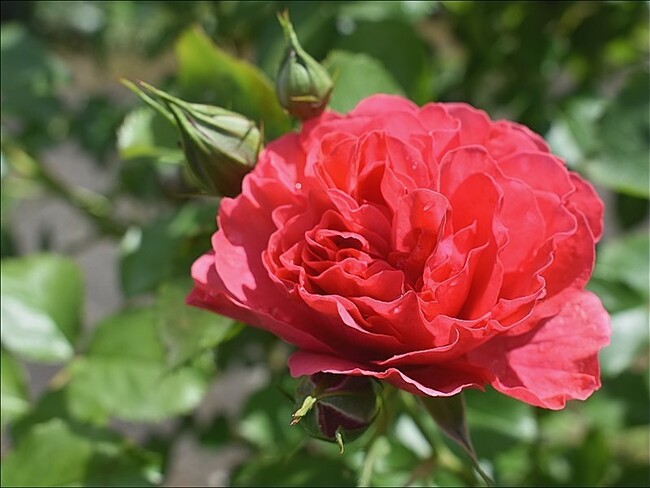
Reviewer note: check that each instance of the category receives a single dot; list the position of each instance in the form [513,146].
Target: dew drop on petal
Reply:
[298,186]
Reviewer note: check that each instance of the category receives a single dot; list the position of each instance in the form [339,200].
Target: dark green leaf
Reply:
[125,374]
[621,160]
[300,469]
[357,76]
[58,454]
[449,414]
[164,248]
[41,305]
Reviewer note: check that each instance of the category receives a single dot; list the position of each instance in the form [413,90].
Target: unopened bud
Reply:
[336,408]
[303,86]
[220,146]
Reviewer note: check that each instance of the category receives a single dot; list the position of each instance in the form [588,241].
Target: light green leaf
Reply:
[357,76]
[145,134]
[41,305]
[58,454]
[12,389]
[397,46]
[207,74]
[629,339]
[188,332]
[124,374]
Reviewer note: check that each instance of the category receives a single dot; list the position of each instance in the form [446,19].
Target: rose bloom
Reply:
[432,248]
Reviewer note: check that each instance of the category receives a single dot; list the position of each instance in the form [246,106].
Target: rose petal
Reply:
[436,380]
[556,361]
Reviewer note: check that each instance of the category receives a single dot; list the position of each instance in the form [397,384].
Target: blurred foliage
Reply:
[576,72]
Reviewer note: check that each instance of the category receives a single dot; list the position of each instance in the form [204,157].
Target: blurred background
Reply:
[100,224]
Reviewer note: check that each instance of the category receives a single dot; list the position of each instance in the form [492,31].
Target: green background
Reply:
[129,391]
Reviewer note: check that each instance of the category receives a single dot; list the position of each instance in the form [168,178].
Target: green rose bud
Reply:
[336,408]
[220,146]
[303,86]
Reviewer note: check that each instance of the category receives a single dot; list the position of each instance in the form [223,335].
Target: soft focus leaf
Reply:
[188,332]
[626,260]
[13,391]
[498,422]
[125,374]
[157,251]
[58,454]
[357,76]
[621,160]
[29,78]
[41,306]
[207,74]
[397,46]
[449,414]
[608,140]
[629,338]
[265,420]
[377,11]
[145,134]
[300,469]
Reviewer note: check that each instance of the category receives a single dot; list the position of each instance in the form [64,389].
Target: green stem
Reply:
[441,454]
[93,205]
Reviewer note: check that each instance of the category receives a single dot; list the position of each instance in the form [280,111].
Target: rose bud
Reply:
[303,86]
[336,408]
[220,146]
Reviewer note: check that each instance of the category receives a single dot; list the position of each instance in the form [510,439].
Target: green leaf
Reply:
[188,332]
[12,389]
[629,340]
[145,134]
[300,469]
[164,248]
[207,74]
[41,305]
[357,76]
[265,420]
[449,414]
[498,421]
[621,160]
[396,45]
[626,260]
[125,374]
[58,454]
[607,140]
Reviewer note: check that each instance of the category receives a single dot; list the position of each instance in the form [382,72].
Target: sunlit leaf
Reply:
[207,74]
[13,390]
[125,374]
[41,306]
[357,76]
[188,332]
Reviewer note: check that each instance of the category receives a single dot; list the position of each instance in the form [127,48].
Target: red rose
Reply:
[430,247]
